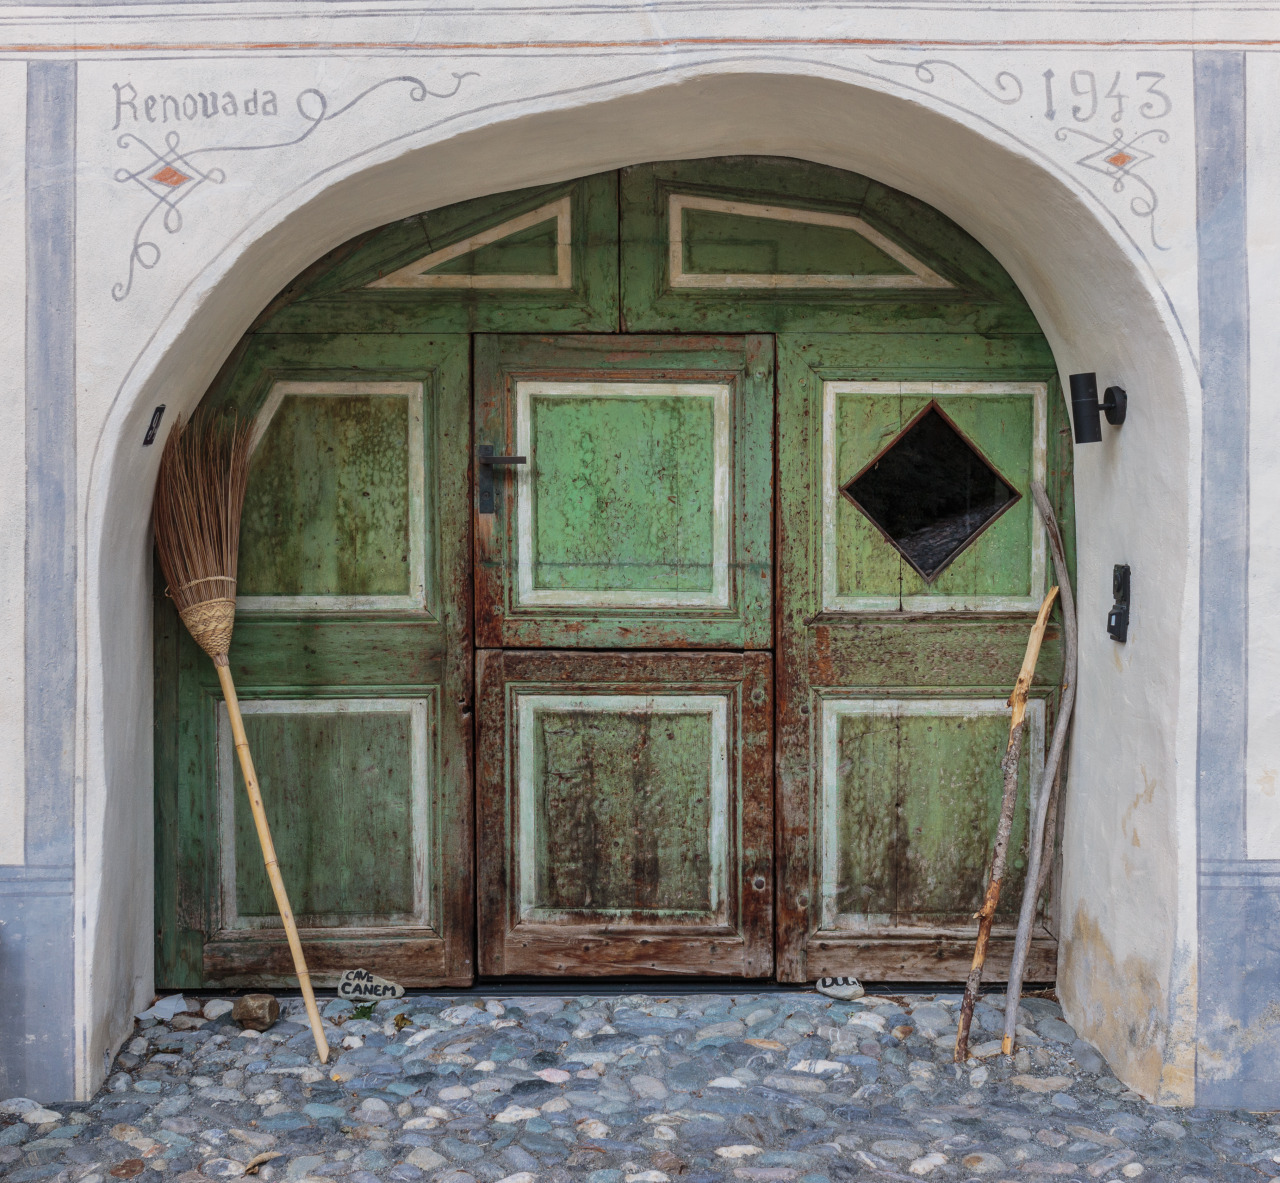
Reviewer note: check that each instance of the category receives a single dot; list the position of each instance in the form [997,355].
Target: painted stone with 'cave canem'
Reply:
[360,984]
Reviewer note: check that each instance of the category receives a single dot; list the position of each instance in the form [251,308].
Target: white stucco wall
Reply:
[1264,430]
[1006,139]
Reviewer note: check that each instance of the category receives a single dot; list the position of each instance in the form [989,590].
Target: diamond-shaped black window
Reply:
[931,492]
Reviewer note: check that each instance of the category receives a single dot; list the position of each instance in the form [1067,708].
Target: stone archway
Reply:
[1122,972]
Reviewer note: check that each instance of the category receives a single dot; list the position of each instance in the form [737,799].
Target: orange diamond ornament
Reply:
[170,176]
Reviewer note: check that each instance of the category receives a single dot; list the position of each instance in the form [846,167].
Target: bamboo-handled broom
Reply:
[200,490]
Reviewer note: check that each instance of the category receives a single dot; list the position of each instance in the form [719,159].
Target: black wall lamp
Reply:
[1085,407]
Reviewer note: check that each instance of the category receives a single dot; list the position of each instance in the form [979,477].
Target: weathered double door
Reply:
[685,709]
[630,584]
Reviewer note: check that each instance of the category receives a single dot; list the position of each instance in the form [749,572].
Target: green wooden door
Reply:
[911,564]
[625,796]
[352,655]
[741,626]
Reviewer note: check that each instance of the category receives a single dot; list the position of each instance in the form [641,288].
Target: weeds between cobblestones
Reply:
[644,1088]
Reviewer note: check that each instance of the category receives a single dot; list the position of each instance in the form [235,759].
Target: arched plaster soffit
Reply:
[1097,298]
[1069,254]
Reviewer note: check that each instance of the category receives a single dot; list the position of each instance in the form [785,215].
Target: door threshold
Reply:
[615,987]
[679,986]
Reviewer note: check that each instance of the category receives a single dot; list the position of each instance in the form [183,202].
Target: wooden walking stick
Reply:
[1009,766]
[1044,811]
[200,490]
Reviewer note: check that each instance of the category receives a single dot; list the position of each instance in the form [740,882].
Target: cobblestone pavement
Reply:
[643,1088]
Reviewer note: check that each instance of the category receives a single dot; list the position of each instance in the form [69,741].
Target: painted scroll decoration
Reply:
[881,263]
[1078,95]
[1117,159]
[169,176]
[1008,86]
[514,234]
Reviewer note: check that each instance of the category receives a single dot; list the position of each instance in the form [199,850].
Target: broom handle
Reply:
[269,854]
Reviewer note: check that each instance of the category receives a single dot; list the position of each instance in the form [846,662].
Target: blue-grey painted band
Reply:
[35,872]
[37,969]
[37,1017]
[1237,972]
[50,684]
[1239,872]
[1224,375]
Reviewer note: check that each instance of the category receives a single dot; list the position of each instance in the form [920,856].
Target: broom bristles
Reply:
[200,489]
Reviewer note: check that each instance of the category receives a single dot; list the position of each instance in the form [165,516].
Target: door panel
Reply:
[334,512]
[893,666]
[649,532]
[543,259]
[352,839]
[625,813]
[641,515]
[773,245]
[352,656]
[904,837]
[1003,569]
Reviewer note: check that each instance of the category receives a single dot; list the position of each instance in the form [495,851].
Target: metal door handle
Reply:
[485,460]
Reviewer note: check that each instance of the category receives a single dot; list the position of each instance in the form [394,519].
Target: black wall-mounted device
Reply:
[1118,617]
[153,426]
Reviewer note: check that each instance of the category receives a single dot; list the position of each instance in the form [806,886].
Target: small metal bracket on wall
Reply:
[485,460]
[1118,617]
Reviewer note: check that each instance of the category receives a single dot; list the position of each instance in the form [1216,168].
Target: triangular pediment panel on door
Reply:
[529,252]
[770,244]
[536,260]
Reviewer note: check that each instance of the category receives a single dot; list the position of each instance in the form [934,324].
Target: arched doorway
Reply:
[730,644]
